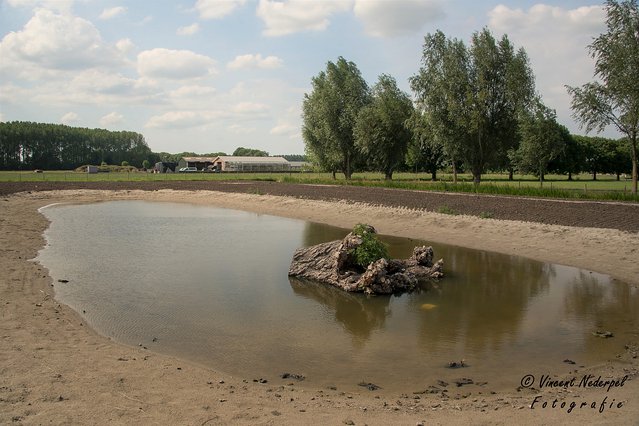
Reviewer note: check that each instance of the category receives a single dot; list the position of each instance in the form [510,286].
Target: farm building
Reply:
[198,162]
[300,166]
[251,164]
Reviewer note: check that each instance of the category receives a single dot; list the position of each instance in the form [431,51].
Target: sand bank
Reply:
[54,369]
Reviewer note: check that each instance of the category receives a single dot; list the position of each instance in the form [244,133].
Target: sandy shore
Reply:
[53,369]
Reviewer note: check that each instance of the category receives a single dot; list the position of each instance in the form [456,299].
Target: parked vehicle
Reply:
[187,170]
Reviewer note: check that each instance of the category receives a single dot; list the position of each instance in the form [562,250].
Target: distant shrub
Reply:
[486,215]
[125,164]
[371,249]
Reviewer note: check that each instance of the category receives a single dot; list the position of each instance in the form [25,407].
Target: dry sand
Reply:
[55,370]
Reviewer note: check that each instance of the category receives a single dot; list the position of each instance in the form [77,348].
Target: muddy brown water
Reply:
[210,285]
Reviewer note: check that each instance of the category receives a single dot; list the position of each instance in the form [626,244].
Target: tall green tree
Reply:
[441,88]
[571,159]
[381,133]
[614,99]
[473,96]
[329,115]
[542,140]
[502,87]
[425,152]
[249,152]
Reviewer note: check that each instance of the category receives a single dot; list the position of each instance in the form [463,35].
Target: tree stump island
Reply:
[360,263]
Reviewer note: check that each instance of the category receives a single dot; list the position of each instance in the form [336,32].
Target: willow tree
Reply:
[473,96]
[441,89]
[329,115]
[614,99]
[381,133]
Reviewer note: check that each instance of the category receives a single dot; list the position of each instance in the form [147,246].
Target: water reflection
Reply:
[359,314]
[598,302]
[483,304]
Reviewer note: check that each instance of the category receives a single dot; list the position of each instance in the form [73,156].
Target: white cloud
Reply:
[255,61]
[241,130]
[145,20]
[174,64]
[383,18]
[95,81]
[283,129]
[59,5]
[69,118]
[124,45]
[1,118]
[556,41]
[250,108]
[111,119]
[188,30]
[196,118]
[291,16]
[88,88]
[112,12]
[192,91]
[51,41]
[181,119]
[216,9]
[583,19]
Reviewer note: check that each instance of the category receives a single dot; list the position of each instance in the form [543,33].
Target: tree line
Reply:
[475,107]
[28,146]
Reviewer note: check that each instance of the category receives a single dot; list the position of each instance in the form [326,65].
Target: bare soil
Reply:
[590,214]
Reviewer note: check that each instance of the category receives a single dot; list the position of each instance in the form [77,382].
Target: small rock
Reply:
[349,422]
[369,386]
[569,361]
[603,334]
[298,377]
[63,281]
[463,381]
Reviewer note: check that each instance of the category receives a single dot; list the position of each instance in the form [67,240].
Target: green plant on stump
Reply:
[371,249]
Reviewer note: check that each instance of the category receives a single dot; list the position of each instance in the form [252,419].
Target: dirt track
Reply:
[594,214]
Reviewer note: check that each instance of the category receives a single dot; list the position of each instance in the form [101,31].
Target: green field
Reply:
[556,186]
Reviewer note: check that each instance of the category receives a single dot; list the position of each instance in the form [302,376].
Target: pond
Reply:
[210,285]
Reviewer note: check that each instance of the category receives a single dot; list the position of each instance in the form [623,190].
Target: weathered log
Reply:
[333,263]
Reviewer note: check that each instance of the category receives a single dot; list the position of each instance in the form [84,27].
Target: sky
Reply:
[212,75]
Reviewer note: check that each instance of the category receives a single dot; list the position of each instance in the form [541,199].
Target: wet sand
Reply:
[55,369]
